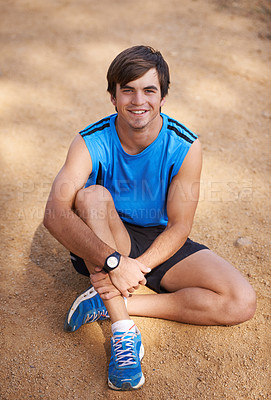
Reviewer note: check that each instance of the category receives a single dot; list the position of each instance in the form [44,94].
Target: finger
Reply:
[131,290]
[103,287]
[97,277]
[98,269]
[124,293]
[145,269]
[107,289]
[102,279]
[109,295]
[143,282]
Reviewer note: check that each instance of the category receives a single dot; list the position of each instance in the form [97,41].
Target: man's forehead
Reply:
[150,78]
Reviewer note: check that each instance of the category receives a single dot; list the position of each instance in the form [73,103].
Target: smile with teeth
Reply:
[138,112]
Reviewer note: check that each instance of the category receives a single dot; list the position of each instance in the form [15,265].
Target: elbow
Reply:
[182,230]
[48,218]
[186,230]
[46,222]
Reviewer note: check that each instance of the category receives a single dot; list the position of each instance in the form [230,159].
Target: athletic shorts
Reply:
[141,239]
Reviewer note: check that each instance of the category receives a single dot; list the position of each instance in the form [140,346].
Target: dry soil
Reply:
[54,58]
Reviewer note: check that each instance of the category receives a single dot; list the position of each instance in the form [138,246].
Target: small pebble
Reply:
[242,242]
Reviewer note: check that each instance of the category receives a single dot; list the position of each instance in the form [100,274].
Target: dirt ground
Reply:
[54,58]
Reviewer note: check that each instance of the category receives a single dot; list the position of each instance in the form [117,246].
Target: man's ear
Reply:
[113,100]
[163,100]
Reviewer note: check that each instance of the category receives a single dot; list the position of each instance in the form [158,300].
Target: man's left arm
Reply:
[182,202]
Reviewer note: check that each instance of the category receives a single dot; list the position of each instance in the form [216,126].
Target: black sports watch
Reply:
[112,262]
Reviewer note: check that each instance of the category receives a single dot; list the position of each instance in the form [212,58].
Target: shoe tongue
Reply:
[123,345]
[124,335]
[121,338]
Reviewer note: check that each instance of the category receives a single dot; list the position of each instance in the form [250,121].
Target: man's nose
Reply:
[138,98]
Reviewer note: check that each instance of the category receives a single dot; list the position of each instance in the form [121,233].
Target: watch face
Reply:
[112,262]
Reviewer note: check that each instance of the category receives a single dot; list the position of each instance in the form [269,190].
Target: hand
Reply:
[128,275]
[103,285]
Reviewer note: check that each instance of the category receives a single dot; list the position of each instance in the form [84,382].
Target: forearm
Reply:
[164,246]
[76,236]
[182,200]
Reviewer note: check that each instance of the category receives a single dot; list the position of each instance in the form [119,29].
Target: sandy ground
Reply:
[54,57]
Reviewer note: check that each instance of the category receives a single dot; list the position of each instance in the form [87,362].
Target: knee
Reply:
[94,196]
[241,305]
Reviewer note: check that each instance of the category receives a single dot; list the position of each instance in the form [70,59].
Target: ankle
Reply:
[117,309]
[123,326]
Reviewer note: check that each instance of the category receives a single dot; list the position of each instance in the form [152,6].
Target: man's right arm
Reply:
[61,220]
[71,231]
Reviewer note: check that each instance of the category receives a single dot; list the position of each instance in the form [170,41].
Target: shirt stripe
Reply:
[183,127]
[99,128]
[182,135]
[93,125]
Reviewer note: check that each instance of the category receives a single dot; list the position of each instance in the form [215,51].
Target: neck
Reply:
[134,140]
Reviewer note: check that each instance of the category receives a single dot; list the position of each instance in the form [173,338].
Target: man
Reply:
[123,204]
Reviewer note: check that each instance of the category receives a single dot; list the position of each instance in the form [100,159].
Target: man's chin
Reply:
[139,128]
[140,125]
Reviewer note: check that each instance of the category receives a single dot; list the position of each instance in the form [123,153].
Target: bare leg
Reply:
[205,290]
[95,207]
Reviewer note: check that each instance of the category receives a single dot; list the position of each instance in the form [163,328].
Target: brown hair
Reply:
[133,63]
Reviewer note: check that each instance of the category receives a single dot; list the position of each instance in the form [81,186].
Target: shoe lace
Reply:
[95,316]
[125,355]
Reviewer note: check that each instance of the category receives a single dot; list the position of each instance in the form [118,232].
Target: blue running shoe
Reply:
[88,307]
[124,368]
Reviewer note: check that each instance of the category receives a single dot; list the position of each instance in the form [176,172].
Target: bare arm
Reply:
[181,206]
[70,230]
[60,218]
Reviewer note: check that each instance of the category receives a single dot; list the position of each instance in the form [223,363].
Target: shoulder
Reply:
[78,152]
[98,127]
[178,131]
[183,146]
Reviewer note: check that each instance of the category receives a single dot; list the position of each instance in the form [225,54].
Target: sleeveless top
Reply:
[138,183]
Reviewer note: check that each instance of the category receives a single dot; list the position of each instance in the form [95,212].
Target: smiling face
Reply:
[138,102]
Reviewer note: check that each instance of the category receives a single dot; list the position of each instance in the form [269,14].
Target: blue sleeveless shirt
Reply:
[138,183]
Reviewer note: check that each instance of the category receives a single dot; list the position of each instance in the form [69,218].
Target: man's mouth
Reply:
[138,112]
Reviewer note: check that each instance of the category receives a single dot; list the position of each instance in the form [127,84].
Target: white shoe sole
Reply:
[127,385]
[88,294]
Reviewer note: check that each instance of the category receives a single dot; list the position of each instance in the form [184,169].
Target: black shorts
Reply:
[141,239]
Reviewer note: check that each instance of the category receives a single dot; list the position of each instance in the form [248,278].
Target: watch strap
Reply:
[106,267]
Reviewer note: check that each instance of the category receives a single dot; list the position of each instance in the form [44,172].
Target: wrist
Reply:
[148,260]
[112,262]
